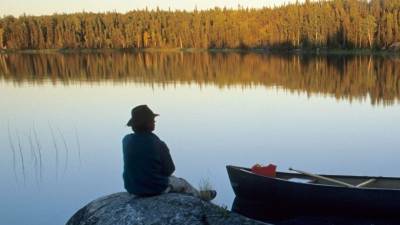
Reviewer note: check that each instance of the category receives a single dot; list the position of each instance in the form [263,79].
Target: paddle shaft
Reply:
[366,182]
[323,178]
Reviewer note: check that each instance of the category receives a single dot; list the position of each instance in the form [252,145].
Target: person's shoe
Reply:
[208,195]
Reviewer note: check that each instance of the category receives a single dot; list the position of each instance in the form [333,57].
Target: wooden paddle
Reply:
[363,184]
[323,178]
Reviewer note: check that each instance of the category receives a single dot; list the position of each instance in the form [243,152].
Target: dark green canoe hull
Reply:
[270,196]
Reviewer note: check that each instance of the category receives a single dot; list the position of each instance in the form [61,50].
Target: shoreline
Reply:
[316,51]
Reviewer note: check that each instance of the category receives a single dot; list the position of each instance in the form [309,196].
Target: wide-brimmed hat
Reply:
[141,114]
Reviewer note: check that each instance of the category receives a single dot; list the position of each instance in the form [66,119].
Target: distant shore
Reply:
[317,51]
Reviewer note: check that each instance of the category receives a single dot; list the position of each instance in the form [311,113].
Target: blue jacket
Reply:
[147,164]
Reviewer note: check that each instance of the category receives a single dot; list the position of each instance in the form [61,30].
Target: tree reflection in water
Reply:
[347,77]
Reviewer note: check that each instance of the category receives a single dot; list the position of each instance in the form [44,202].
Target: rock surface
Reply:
[178,209]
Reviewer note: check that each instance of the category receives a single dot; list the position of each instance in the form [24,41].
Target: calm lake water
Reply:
[63,116]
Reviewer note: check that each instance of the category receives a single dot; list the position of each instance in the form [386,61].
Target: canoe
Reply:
[292,194]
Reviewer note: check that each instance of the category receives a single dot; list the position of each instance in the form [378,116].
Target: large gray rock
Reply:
[125,209]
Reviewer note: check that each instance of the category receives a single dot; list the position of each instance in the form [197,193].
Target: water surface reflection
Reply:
[345,77]
[63,117]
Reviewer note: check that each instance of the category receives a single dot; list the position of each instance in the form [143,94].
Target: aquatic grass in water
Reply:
[22,166]
[39,149]
[21,156]
[13,151]
[66,150]
[55,148]
[33,154]
[78,144]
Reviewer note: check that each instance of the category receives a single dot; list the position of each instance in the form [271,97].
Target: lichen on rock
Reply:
[167,209]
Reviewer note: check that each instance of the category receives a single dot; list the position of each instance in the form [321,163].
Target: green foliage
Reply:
[204,186]
[223,211]
[331,24]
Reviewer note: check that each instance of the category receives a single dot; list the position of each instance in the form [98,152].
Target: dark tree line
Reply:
[349,24]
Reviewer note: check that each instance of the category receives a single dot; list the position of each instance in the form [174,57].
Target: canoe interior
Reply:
[379,182]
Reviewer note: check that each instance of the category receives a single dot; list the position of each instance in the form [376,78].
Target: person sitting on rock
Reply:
[148,166]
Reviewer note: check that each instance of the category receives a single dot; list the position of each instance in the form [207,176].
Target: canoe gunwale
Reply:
[247,170]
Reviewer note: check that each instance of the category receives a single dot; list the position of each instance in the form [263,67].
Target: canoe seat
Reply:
[301,180]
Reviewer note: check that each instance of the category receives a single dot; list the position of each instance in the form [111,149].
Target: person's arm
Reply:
[167,164]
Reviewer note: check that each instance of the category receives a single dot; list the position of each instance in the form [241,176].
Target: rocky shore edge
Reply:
[167,209]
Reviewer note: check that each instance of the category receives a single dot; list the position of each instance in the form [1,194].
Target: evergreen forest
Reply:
[335,24]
